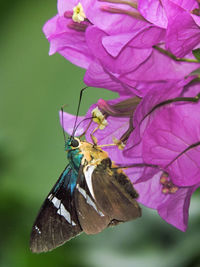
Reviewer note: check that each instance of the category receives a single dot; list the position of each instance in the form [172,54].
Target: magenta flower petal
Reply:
[183,35]
[187,5]
[63,6]
[159,68]
[143,38]
[141,118]
[77,57]
[148,37]
[191,90]
[52,26]
[169,134]
[157,12]
[150,192]
[153,12]
[156,96]
[175,209]
[66,46]
[176,16]
[108,22]
[67,122]
[120,64]
[166,141]
[196,19]
[115,43]
[67,37]
[97,76]
[68,42]
[140,174]
[182,32]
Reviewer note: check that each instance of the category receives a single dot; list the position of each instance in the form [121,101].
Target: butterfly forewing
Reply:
[91,217]
[57,220]
[114,193]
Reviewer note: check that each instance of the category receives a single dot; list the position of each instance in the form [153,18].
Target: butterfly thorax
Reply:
[75,157]
[92,154]
[83,153]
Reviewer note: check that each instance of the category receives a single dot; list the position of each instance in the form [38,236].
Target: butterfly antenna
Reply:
[90,118]
[79,103]
[63,124]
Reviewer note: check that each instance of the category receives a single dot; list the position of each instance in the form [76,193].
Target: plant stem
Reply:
[167,53]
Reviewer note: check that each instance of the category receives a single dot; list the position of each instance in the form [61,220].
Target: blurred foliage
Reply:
[33,88]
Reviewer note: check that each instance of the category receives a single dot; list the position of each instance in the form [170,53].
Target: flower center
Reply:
[167,186]
[78,13]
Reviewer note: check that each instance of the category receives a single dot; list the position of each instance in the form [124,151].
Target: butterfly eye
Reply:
[74,143]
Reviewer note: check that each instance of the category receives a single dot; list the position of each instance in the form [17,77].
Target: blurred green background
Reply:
[33,88]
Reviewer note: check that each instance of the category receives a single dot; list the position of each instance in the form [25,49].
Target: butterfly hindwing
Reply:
[114,193]
[90,216]
[57,220]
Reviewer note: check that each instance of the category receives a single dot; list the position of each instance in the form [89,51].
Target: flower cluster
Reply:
[148,52]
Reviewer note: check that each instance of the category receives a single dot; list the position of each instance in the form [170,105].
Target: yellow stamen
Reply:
[165,190]
[164,178]
[173,190]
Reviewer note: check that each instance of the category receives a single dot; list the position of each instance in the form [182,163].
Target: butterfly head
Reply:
[72,143]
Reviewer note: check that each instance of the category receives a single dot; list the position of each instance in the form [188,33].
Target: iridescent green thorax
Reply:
[75,158]
[70,175]
[73,154]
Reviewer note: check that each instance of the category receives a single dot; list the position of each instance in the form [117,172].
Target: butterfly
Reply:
[91,194]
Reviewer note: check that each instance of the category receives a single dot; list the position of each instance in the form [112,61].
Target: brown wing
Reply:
[90,216]
[114,193]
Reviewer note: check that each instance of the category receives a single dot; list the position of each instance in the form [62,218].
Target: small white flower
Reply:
[99,118]
[78,13]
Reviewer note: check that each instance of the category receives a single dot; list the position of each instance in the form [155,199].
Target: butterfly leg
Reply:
[94,139]
[116,142]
